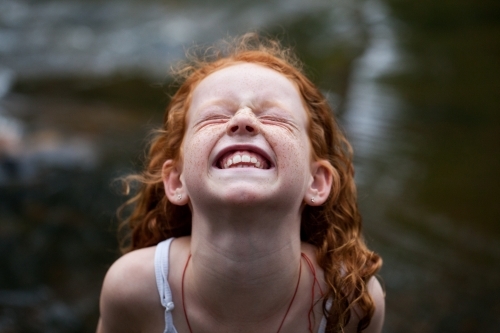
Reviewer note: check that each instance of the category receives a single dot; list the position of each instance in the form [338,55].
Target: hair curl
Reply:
[334,228]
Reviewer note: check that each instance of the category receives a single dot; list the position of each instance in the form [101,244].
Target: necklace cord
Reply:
[182,291]
[293,298]
[313,271]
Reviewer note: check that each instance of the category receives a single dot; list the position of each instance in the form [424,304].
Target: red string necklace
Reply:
[313,271]
[287,310]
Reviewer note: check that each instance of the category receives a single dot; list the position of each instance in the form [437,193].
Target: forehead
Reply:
[247,84]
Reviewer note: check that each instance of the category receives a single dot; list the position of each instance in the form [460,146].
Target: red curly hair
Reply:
[334,228]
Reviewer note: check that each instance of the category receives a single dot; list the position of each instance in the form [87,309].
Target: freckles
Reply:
[294,156]
[198,148]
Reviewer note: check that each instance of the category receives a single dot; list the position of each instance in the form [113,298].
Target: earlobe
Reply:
[174,188]
[321,184]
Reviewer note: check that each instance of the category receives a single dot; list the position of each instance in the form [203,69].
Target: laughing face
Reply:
[246,140]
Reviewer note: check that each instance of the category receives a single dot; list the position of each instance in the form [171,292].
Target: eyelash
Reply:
[283,122]
[274,119]
[212,120]
[219,117]
[266,120]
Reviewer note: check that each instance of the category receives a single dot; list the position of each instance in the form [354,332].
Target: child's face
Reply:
[246,139]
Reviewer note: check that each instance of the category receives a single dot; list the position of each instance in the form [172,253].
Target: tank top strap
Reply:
[161,273]
[322,324]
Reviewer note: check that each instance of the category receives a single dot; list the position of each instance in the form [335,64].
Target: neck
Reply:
[244,266]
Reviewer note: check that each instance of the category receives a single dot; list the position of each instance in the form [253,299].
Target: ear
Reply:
[319,188]
[174,188]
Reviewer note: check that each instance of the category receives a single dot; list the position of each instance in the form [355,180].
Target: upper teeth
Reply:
[239,160]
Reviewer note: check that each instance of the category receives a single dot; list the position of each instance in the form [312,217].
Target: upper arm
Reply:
[125,294]
[378,296]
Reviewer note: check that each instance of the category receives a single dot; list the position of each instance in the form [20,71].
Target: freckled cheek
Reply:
[294,153]
[197,150]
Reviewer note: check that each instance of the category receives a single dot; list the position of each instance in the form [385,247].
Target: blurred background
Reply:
[415,85]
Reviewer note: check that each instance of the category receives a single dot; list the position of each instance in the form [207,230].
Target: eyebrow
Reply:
[216,102]
[253,105]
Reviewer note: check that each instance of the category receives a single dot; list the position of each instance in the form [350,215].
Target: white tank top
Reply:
[161,272]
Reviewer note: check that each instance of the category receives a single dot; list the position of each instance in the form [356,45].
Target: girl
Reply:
[246,220]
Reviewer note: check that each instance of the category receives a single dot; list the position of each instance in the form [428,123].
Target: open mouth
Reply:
[243,159]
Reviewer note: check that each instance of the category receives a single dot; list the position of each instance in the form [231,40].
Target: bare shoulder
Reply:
[128,292]
[378,296]
[129,274]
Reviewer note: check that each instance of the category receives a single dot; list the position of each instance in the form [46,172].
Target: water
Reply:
[47,38]
[422,168]
[81,83]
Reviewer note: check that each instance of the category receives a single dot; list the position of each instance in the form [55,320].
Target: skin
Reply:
[245,242]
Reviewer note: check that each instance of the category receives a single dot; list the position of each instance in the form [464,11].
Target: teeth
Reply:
[245,159]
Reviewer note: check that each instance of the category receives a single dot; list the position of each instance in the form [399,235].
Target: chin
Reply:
[243,197]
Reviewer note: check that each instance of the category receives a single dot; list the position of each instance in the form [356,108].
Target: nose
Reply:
[243,122]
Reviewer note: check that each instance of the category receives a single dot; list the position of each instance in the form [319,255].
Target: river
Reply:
[415,86]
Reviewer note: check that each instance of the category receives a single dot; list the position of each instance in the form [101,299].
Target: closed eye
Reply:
[211,120]
[273,120]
